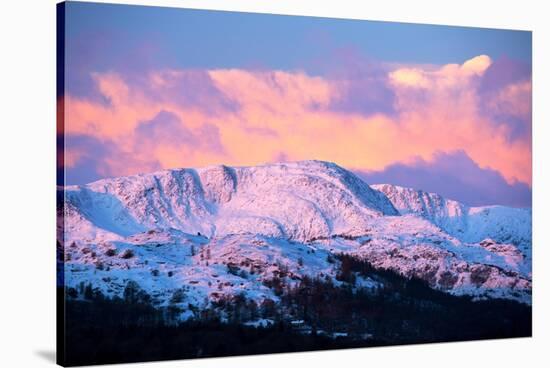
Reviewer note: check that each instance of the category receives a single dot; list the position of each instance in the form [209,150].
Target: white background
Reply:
[27,181]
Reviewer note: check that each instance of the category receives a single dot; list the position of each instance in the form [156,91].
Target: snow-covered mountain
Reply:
[225,230]
[295,201]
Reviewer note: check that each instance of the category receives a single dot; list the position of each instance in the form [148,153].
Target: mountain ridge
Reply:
[191,199]
[192,227]
[469,223]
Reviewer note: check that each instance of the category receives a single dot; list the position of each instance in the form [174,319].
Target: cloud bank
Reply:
[378,119]
[455,176]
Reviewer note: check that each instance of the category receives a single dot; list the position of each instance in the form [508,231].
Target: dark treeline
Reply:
[401,311]
[100,330]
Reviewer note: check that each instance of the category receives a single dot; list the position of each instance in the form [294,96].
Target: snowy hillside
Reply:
[469,224]
[226,230]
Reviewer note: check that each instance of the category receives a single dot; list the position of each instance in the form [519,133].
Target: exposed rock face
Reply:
[219,183]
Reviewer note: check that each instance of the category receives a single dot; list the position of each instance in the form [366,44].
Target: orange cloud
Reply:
[437,110]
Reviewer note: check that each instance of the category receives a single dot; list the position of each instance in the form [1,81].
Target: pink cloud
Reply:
[73,155]
[240,117]
[513,100]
